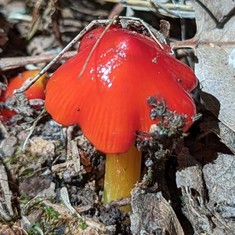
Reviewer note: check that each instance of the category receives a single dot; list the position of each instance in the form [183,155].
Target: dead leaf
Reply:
[152,214]
[215,49]
[219,178]
[216,67]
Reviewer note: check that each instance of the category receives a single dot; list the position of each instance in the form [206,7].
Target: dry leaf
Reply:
[152,214]
[215,49]
[216,56]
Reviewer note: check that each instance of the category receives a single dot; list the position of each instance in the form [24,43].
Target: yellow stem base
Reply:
[122,171]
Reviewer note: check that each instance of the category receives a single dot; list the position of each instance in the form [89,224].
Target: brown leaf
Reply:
[152,214]
[216,53]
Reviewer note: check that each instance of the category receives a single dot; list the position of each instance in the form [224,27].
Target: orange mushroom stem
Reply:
[109,99]
[121,174]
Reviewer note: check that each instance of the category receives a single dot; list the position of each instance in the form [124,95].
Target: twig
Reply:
[193,43]
[150,30]
[96,44]
[121,202]
[157,36]
[30,82]
[65,198]
[117,9]
[42,114]
[164,8]
[16,62]
[144,3]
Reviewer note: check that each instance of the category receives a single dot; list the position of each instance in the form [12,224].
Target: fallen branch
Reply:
[16,62]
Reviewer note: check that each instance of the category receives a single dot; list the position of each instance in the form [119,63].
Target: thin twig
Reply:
[117,9]
[96,44]
[158,37]
[148,4]
[161,6]
[30,82]
[42,114]
[16,62]
[194,42]
[148,27]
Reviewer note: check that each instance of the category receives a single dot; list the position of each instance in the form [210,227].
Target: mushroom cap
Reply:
[36,91]
[109,100]
[181,72]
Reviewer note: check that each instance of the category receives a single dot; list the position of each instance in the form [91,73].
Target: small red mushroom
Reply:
[183,74]
[36,91]
[109,99]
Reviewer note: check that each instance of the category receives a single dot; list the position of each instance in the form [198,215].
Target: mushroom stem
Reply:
[122,171]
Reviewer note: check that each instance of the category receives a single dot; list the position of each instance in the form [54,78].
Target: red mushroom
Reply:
[183,74]
[109,99]
[36,91]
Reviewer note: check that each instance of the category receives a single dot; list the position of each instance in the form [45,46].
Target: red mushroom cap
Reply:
[109,100]
[36,91]
[182,73]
